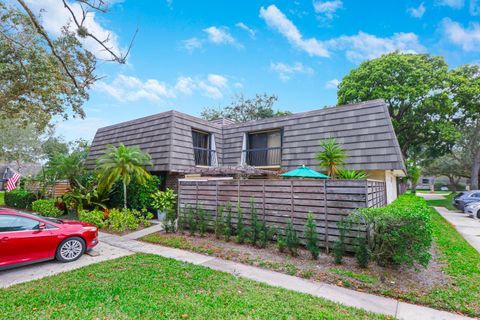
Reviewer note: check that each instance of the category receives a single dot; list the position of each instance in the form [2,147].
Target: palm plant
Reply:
[122,163]
[331,157]
[346,174]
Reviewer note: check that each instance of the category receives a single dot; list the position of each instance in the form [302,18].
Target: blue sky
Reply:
[192,54]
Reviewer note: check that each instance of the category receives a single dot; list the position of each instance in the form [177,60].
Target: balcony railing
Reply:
[263,157]
[203,156]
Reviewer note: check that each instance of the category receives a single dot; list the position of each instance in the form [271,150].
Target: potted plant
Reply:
[163,201]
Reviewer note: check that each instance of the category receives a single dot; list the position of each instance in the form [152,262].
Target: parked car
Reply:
[465,197]
[473,209]
[28,238]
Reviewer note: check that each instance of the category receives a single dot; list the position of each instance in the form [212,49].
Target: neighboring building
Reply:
[24,169]
[178,142]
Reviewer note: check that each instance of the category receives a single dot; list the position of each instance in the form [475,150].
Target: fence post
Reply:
[291,199]
[216,199]
[179,201]
[263,190]
[325,208]
[196,196]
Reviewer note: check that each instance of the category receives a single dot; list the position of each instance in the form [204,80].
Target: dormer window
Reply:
[204,153]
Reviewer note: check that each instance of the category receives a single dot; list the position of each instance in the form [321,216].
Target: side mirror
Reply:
[41,226]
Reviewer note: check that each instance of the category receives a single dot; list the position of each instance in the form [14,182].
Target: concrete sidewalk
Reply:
[369,302]
[468,227]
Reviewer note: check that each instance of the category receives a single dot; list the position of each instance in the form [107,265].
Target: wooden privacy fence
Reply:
[277,201]
[53,191]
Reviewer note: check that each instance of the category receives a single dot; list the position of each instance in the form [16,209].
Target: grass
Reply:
[447,202]
[462,263]
[152,287]
[355,275]
[2,198]
[174,241]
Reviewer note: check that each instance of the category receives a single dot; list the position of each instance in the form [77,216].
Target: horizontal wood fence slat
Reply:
[278,201]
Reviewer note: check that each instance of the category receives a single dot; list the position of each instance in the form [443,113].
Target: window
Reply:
[425,181]
[10,223]
[475,195]
[201,148]
[264,148]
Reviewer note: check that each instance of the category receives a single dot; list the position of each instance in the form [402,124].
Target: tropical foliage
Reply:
[352,174]
[331,156]
[124,164]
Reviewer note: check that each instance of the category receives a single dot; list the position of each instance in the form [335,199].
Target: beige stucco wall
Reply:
[390,179]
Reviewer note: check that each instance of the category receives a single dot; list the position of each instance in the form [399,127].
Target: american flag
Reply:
[12,182]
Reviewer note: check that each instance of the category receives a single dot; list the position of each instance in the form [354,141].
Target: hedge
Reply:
[400,233]
[46,208]
[19,198]
[138,195]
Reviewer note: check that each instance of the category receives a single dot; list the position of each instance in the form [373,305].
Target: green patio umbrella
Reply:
[304,172]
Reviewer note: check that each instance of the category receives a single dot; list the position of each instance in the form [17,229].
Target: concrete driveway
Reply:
[102,252]
[468,227]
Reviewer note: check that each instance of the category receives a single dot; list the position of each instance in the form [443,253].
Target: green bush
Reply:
[202,222]
[138,195]
[311,236]
[229,231]
[281,242]
[46,208]
[241,230]
[265,234]
[400,233]
[219,223]
[95,217]
[254,223]
[163,200]
[339,250]
[127,219]
[192,220]
[291,238]
[362,254]
[19,198]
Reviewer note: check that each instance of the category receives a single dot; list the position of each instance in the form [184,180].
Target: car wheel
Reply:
[70,249]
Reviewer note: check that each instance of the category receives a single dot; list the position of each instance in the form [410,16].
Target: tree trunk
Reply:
[475,171]
[124,195]
[453,183]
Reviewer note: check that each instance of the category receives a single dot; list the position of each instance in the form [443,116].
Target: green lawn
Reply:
[151,287]
[447,202]
[462,263]
[2,198]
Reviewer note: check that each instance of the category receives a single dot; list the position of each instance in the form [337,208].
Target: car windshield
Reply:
[459,195]
[44,218]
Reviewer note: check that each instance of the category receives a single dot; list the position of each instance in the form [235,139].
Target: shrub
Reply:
[138,195]
[400,233]
[163,200]
[362,253]
[46,208]
[202,222]
[96,217]
[19,198]
[281,243]
[254,223]
[291,238]
[265,234]
[339,251]
[219,223]
[170,219]
[127,219]
[228,223]
[311,236]
[182,220]
[241,230]
[192,221]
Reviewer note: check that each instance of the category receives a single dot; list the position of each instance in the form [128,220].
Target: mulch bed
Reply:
[386,281]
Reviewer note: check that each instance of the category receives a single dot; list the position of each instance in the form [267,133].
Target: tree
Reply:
[19,144]
[41,75]
[53,146]
[413,174]
[245,109]
[448,166]
[122,163]
[331,157]
[416,89]
[465,84]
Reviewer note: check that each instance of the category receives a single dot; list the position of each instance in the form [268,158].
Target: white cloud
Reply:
[417,12]
[219,35]
[128,88]
[455,4]
[332,84]
[474,8]
[54,16]
[285,71]
[243,26]
[363,46]
[192,44]
[278,21]
[357,47]
[327,8]
[217,80]
[467,38]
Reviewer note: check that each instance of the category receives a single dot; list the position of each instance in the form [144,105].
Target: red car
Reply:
[27,238]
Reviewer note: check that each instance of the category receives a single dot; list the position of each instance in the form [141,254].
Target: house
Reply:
[178,142]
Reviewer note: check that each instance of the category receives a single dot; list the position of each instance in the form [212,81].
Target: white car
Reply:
[473,210]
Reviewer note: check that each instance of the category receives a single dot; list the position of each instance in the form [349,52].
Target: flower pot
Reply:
[161,215]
